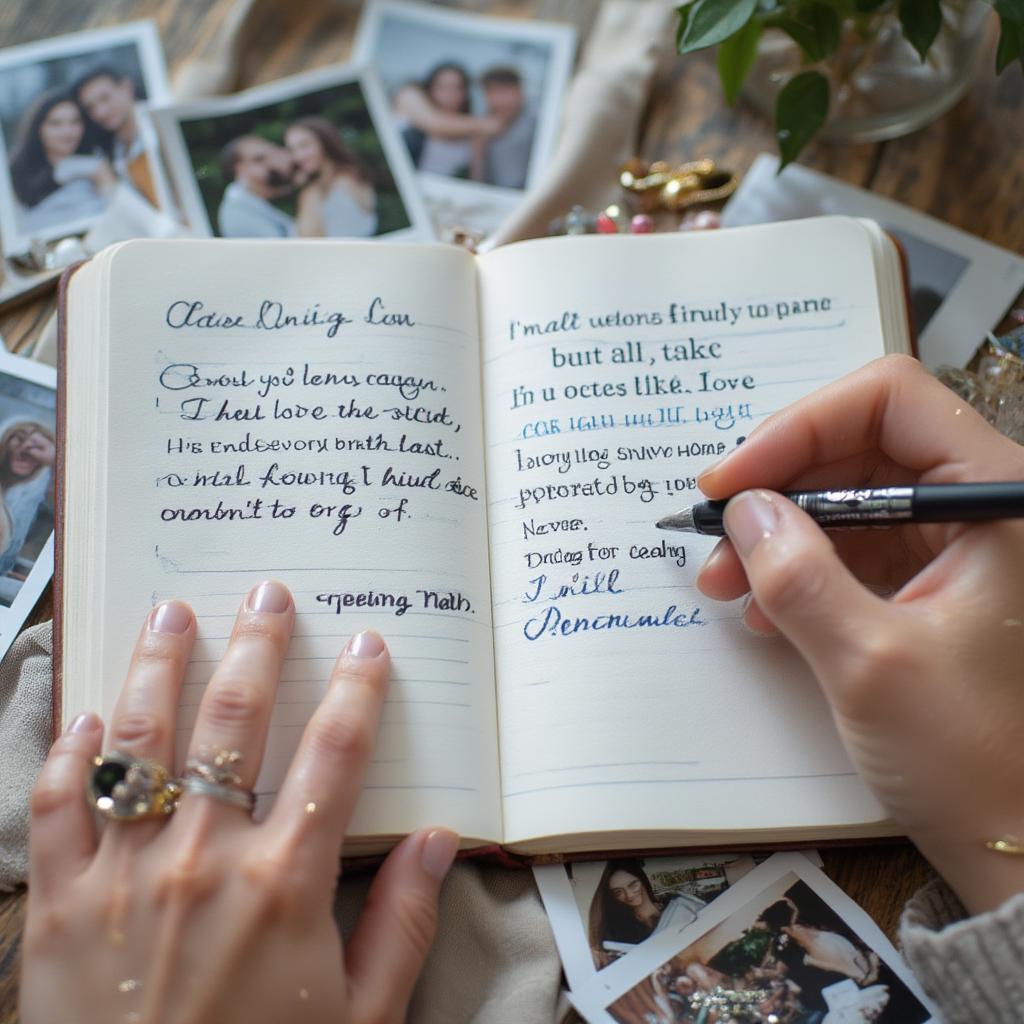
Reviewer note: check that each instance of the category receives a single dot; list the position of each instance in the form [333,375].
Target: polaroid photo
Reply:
[785,940]
[28,432]
[73,129]
[603,910]
[477,101]
[959,286]
[312,156]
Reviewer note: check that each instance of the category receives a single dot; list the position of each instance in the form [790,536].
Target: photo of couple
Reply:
[476,99]
[71,132]
[287,161]
[27,457]
[788,952]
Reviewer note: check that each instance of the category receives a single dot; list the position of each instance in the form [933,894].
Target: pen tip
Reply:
[681,521]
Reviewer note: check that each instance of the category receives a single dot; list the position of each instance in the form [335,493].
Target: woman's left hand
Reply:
[40,448]
[210,916]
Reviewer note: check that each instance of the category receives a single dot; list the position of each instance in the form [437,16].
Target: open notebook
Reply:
[468,454]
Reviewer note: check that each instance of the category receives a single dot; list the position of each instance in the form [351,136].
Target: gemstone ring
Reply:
[125,788]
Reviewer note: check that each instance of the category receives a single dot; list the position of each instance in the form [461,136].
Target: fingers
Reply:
[397,926]
[893,405]
[326,775]
[235,711]
[799,582]
[143,721]
[62,840]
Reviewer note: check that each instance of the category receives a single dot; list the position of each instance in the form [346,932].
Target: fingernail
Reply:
[270,597]
[170,617]
[367,644]
[87,721]
[438,853]
[710,469]
[749,518]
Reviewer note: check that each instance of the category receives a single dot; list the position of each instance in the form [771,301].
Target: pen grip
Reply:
[961,503]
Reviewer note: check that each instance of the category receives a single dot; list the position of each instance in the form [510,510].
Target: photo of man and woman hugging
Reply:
[445,137]
[72,133]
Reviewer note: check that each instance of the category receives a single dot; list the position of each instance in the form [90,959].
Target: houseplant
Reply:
[860,69]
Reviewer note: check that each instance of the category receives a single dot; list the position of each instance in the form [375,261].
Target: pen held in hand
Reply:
[875,506]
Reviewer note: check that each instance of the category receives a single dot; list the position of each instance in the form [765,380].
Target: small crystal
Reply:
[577,221]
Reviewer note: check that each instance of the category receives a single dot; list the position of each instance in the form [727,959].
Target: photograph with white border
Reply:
[73,130]
[959,286]
[311,156]
[28,431]
[477,100]
[785,940]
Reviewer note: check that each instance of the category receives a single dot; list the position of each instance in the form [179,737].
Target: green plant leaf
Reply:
[684,16]
[867,6]
[1010,10]
[814,27]
[711,21]
[1011,44]
[921,21]
[736,57]
[800,111]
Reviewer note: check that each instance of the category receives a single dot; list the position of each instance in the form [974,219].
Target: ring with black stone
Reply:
[125,788]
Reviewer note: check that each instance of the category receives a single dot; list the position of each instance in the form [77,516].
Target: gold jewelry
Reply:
[676,188]
[125,788]
[212,773]
[215,765]
[1010,845]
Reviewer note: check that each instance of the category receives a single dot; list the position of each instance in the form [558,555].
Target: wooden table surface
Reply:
[967,169]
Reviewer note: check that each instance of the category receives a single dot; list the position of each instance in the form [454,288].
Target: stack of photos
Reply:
[28,457]
[439,102]
[73,128]
[783,944]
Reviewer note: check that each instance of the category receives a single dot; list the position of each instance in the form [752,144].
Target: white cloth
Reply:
[72,203]
[344,217]
[244,215]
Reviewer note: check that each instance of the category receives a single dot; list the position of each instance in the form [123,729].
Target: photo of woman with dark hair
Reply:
[27,453]
[58,172]
[435,118]
[626,912]
[336,194]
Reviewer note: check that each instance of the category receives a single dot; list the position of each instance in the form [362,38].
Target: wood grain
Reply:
[967,169]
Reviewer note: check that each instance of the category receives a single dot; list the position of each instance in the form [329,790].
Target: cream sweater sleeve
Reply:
[973,968]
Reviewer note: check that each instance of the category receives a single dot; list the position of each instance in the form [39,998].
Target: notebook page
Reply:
[312,413]
[615,369]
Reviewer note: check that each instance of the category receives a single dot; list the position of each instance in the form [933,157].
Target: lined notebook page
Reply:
[312,414]
[615,369]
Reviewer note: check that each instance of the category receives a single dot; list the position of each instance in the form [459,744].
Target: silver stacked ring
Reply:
[212,773]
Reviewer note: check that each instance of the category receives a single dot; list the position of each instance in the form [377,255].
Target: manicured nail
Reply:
[367,644]
[271,597]
[750,518]
[708,470]
[438,853]
[170,617]
[87,721]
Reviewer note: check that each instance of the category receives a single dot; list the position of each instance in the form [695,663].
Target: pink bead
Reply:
[642,224]
[606,225]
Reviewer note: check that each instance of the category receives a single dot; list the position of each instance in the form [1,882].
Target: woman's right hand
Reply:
[927,687]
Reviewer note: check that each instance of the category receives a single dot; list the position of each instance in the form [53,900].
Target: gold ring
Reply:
[125,788]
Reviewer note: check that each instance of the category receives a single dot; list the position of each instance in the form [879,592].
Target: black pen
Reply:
[875,506]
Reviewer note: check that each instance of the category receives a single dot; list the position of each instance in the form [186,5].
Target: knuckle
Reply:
[870,670]
[138,729]
[233,702]
[342,738]
[261,630]
[44,928]
[272,876]
[417,916]
[159,650]
[184,879]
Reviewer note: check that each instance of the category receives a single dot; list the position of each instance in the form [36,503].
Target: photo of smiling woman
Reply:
[625,912]
[57,171]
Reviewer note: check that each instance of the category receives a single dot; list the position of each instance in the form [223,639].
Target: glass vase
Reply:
[879,86]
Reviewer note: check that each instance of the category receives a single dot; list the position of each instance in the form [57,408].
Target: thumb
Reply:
[397,926]
[799,581]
